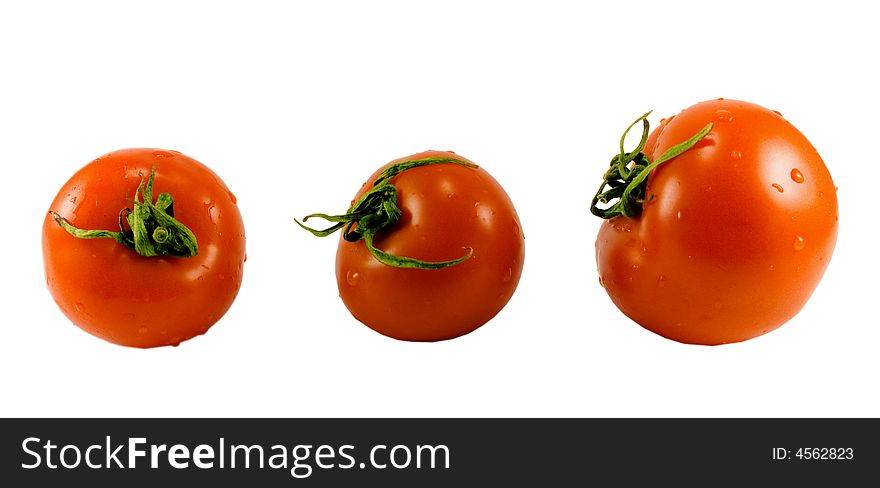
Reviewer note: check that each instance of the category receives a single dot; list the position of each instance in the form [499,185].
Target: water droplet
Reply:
[720,98]
[723,116]
[736,154]
[352,277]
[507,275]
[799,244]
[771,268]
[163,154]
[143,330]
[661,281]
[79,307]
[778,187]
[450,195]
[484,212]
[245,258]
[678,215]
[777,112]
[232,197]
[213,213]
[797,176]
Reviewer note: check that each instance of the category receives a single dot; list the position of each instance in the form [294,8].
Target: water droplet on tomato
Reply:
[736,154]
[720,98]
[484,213]
[79,307]
[163,154]
[507,275]
[245,258]
[143,330]
[777,112]
[450,195]
[352,277]
[771,268]
[778,187]
[799,244]
[678,215]
[232,197]
[723,116]
[661,281]
[213,213]
[797,176]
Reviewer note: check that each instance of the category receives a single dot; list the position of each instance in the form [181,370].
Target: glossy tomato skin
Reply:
[735,233]
[112,292]
[446,209]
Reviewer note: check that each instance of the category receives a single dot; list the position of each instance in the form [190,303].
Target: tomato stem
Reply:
[627,178]
[152,229]
[376,210]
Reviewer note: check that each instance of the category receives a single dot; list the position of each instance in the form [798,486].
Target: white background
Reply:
[294,104]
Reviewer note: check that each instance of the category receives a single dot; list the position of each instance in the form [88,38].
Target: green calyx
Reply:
[627,178]
[376,210]
[151,228]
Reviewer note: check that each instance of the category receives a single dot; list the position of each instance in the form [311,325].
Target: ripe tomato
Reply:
[735,233]
[449,211]
[111,291]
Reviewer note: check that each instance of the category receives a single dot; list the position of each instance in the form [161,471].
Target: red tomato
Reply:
[447,210]
[111,291]
[734,235]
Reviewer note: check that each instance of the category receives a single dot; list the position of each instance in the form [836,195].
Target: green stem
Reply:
[627,177]
[376,210]
[152,229]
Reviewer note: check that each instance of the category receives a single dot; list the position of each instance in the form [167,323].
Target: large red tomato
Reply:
[448,212]
[734,234]
[115,293]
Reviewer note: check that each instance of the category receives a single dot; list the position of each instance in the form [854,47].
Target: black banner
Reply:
[437,452]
